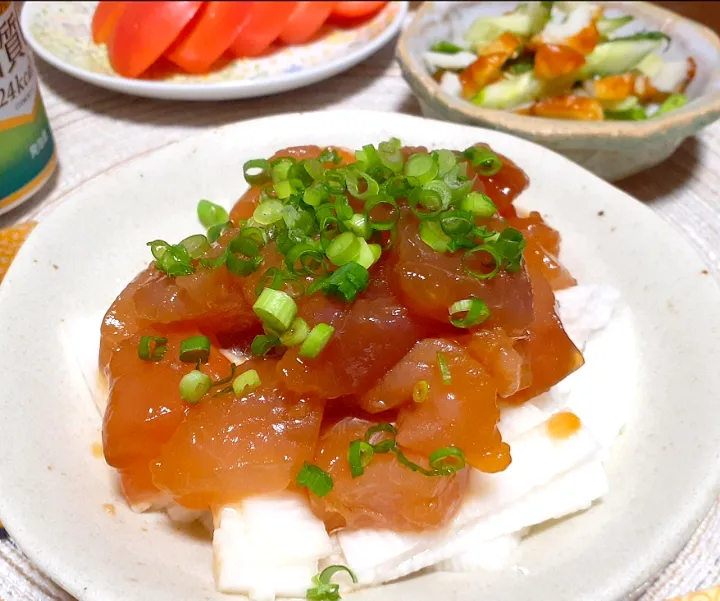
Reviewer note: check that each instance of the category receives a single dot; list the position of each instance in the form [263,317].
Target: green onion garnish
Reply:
[329,155]
[215,231]
[343,249]
[243,255]
[360,184]
[479,204]
[152,348]
[359,456]
[248,380]
[348,281]
[275,309]
[296,333]
[447,460]
[457,223]
[195,349]
[486,249]
[422,167]
[431,234]
[211,214]
[421,390]
[315,479]
[485,161]
[445,47]
[444,369]
[194,386]
[173,259]
[324,589]
[316,194]
[268,212]
[381,212]
[262,344]
[316,340]
[475,310]
[257,172]
[378,434]
[309,257]
[358,225]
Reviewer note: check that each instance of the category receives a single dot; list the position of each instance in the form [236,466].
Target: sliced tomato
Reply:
[356,10]
[144,31]
[104,20]
[216,27]
[266,22]
[305,21]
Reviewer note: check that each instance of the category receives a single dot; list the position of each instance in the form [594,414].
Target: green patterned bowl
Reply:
[613,149]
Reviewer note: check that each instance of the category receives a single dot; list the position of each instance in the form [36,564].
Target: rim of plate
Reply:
[224,90]
[657,550]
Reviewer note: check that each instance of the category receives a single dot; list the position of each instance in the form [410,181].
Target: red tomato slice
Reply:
[104,20]
[144,31]
[267,20]
[218,24]
[354,10]
[305,21]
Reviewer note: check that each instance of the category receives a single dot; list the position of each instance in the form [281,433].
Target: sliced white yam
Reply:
[516,420]
[490,555]
[450,84]
[671,76]
[443,60]
[585,310]
[268,546]
[182,515]
[381,555]
[80,336]
[578,18]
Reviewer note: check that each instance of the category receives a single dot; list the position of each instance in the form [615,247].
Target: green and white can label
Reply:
[27,150]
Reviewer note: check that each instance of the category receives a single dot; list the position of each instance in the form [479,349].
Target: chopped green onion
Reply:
[173,259]
[421,391]
[280,169]
[446,161]
[510,245]
[457,223]
[316,340]
[325,590]
[253,233]
[195,349]
[478,204]
[257,172]
[444,369]
[329,155]
[427,199]
[384,445]
[348,281]
[376,251]
[441,189]
[247,380]
[397,187]
[296,333]
[316,194]
[152,348]
[359,456]
[214,262]
[243,255]
[358,225]
[476,311]
[310,257]
[390,155]
[382,203]
[221,381]
[335,181]
[314,169]
[343,249]
[342,207]
[158,248]
[318,481]
[431,233]
[366,256]
[194,386]
[422,167]
[215,231]
[262,344]
[211,214]
[275,309]
[283,189]
[196,245]
[673,102]
[445,47]
[447,461]
[487,248]
[485,161]
[354,180]
[268,212]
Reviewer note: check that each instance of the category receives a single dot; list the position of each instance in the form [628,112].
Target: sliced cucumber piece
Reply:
[607,26]
[509,92]
[525,21]
[618,56]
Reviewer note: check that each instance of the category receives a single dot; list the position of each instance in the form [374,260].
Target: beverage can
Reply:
[27,149]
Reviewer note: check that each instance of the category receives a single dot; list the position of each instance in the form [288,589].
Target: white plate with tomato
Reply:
[208,50]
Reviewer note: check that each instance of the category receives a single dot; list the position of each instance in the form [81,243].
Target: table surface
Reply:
[97,130]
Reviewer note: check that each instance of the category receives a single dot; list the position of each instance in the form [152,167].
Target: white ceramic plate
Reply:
[663,472]
[60,33]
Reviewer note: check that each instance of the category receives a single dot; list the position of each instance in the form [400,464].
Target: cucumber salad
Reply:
[562,60]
